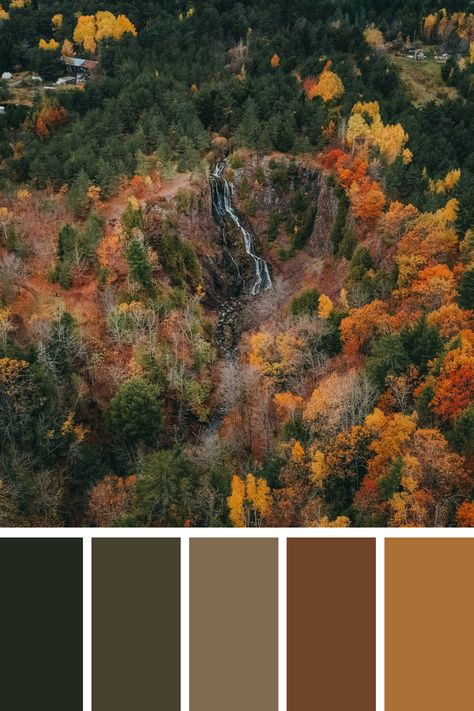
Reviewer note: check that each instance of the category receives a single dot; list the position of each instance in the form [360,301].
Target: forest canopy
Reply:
[145,380]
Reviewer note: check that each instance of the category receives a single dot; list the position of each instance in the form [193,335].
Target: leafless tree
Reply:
[268,306]
[12,274]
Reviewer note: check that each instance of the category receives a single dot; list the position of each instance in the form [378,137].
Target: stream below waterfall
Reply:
[225,215]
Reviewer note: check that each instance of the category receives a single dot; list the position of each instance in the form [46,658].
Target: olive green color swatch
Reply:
[136,624]
[234,624]
[41,624]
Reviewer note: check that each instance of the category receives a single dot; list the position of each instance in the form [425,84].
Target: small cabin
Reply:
[416,54]
[81,68]
[2,109]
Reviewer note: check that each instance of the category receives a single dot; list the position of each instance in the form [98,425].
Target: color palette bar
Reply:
[234,624]
[238,597]
[41,624]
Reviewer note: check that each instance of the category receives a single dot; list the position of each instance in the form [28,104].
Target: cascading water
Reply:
[221,193]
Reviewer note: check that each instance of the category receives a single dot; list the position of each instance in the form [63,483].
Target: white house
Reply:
[65,80]
[416,54]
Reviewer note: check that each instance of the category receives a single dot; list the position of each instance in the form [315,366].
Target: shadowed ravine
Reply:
[225,215]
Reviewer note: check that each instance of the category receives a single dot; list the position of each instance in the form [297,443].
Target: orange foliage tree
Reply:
[275,61]
[454,389]
[328,86]
[362,324]
[367,200]
[49,117]
[432,235]
[434,287]
[112,499]
[465,515]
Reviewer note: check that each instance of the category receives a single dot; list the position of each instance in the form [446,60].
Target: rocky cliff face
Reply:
[276,198]
[268,185]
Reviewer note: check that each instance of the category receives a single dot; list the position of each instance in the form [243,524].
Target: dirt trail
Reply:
[162,188]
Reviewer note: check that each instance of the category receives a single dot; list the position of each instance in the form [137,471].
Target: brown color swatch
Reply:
[429,624]
[136,624]
[234,624]
[331,624]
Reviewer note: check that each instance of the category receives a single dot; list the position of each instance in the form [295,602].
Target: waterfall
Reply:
[221,194]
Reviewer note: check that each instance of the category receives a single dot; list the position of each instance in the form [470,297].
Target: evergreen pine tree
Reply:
[77,198]
[248,132]
[138,264]
[466,290]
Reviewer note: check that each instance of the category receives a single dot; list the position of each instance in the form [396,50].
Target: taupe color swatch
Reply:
[234,624]
[429,624]
[136,624]
[331,624]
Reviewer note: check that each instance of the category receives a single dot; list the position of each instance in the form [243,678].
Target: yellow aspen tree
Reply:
[329,87]
[374,37]
[297,452]
[325,307]
[48,46]
[105,23]
[235,502]
[84,33]
[365,129]
[57,21]
[249,502]
[318,469]
[429,25]
[6,325]
[407,156]
[122,26]
[258,496]
[339,522]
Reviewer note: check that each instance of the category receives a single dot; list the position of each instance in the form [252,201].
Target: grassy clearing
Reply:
[423,80]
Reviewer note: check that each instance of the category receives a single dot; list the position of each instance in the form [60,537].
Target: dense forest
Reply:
[236,263]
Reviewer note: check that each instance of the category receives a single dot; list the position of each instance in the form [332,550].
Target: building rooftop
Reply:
[78,62]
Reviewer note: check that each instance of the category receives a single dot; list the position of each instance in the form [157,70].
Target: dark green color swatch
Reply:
[136,624]
[41,624]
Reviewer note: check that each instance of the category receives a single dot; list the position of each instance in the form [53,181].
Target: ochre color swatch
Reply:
[136,624]
[429,624]
[41,624]
[331,624]
[234,624]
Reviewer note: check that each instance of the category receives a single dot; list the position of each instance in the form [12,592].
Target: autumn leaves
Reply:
[328,85]
[89,31]
[92,29]
[379,434]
